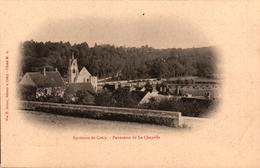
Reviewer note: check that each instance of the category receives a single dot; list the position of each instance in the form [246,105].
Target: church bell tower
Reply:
[73,70]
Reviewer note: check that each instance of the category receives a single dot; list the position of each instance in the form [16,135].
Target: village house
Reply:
[82,76]
[47,83]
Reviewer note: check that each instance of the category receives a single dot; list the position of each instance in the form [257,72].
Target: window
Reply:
[73,71]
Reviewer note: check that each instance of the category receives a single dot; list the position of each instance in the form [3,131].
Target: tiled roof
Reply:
[51,79]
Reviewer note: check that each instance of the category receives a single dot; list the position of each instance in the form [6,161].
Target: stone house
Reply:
[47,83]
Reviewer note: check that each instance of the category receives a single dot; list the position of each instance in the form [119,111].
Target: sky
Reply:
[157,32]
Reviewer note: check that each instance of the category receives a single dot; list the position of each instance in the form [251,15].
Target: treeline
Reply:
[119,62]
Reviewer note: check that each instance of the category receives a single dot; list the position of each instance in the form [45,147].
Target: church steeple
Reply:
[72,56]
[73,70]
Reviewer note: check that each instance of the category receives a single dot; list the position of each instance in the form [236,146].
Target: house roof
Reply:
[74,87]
[138,95]
[51,79]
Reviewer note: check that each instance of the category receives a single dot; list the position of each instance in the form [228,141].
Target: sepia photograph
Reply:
[130,84]
[168,76]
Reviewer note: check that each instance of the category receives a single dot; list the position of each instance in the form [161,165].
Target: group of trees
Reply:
[119,62]
[188,107]
[118,98]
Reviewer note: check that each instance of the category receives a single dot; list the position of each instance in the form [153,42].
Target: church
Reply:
[82,76]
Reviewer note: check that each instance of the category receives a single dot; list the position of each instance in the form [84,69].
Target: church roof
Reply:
[84,70]
[51,79]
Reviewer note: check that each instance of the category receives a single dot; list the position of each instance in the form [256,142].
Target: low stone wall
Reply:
[172,119]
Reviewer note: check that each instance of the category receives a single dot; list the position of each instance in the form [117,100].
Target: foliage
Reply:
[188,107]
[119,62]
[84,97]
[121,98]
[104,98]
[69,97]
[81,96]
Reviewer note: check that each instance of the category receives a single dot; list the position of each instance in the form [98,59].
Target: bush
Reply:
[84,97]
[69,98]
[188,107]
[104,99]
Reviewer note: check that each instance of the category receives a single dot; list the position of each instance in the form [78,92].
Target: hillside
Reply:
[119,62]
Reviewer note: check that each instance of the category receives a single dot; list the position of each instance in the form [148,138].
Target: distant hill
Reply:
[120,62]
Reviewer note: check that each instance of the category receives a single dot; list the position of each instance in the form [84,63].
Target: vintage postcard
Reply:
[130,84]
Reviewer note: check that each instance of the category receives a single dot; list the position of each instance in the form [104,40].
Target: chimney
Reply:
[44,71]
